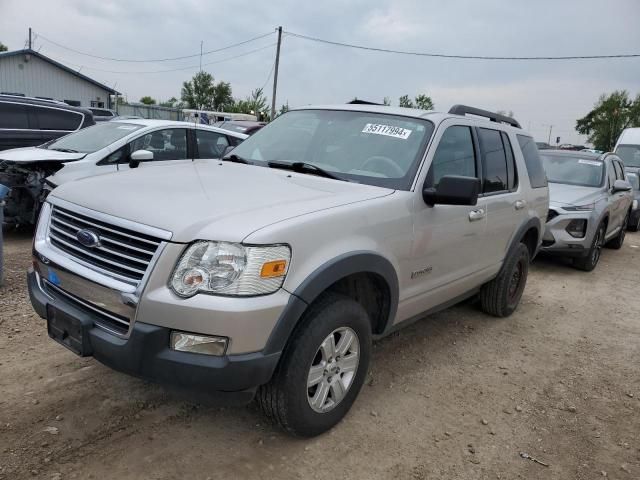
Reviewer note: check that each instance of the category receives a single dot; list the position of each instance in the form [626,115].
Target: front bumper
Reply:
[145,352]
[557,240]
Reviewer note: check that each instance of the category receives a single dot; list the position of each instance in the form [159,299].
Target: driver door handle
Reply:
[475,215]
[519,204]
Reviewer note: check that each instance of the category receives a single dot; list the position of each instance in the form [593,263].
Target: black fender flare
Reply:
[520,233]
[321,279]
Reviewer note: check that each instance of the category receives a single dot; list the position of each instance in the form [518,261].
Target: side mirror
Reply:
[621,186]
[227,150]
[453,190]
[139,156]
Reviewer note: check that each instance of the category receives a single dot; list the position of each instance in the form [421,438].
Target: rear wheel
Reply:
[501,296]
[589,262]
[635,225]
[322,369]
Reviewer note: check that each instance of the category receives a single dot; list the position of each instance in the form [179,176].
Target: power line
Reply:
[269,76]
[156,59]
[249,52]
[464,57]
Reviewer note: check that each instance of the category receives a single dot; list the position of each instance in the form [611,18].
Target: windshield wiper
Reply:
[236,159]
[65,150]
[304,167]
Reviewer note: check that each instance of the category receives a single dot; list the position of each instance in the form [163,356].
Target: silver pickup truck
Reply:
[268,273]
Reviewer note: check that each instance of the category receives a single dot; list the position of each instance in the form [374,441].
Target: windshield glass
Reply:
[630,155]
[585,172]
[372,148]
[92,139]
[634,180]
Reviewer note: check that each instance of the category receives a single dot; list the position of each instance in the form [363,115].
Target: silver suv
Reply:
[272,270]
[591,203]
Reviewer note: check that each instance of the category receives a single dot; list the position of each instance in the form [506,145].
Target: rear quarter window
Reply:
[13,116]
[57,119]
[535,170]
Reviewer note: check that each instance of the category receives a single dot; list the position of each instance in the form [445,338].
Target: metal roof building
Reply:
[27,72]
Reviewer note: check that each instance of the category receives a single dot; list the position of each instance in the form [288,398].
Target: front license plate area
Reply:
[68,331]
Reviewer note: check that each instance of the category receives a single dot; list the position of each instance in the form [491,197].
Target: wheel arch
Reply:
[351,274]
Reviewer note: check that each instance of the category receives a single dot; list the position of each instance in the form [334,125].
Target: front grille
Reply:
[110,321]
[123,253]
[551,215]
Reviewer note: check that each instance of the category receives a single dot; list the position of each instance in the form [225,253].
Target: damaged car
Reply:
[108,147]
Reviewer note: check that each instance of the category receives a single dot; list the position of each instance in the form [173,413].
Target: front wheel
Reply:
[617,242]
[635,225]
[322,368]
[501,296]
[589,262]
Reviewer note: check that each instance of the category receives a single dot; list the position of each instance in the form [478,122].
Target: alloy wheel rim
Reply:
[333,369]
[595,256]
[514,283]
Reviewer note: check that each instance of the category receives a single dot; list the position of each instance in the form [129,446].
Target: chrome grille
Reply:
[122,253]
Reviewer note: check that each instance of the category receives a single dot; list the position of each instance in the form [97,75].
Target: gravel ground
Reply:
[457,395]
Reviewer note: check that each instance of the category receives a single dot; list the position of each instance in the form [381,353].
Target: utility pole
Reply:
[550,128]
[201,42]
[29,38]
[275,75]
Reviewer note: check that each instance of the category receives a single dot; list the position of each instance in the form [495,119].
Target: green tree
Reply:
[610,115]
[258,103]
[222,98]
[386,101]
[198,92]
[424,102]
[147,100]
[3,47]
[405,101]
[173,102]
[284,109]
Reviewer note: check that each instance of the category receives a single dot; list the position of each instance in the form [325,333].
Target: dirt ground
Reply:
[457,395]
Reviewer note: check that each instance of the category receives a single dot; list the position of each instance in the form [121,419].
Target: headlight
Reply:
[580,208]
[224,268]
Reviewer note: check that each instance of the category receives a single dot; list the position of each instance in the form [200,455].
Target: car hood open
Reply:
[34,154]
[562,194]
[212,200]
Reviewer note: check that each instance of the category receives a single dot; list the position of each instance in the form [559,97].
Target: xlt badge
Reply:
[420,273]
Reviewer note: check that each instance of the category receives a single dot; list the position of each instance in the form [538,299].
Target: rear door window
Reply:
[455,155]
[495,176]
[56,119]
[535,170]
[14,116]
[619,170]
[211,144]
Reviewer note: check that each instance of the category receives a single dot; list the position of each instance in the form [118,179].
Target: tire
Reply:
[287,399]
[501,296]
[591,259]
[635,226]
[617,242]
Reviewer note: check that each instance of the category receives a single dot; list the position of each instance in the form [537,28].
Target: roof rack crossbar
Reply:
[494,117]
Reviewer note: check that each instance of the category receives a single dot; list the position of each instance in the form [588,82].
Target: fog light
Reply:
[188,342]
[577,228]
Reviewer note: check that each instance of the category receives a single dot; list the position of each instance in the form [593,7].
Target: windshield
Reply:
[634,180]
[585,172]
[92,139]
[630,155]
[376,149]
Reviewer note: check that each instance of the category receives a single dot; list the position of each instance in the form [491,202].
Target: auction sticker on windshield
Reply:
[590,162]
[388,130]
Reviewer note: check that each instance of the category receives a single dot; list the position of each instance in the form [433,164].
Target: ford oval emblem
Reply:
[88,238]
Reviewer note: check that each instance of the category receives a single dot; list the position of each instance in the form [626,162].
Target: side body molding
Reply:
[322,278]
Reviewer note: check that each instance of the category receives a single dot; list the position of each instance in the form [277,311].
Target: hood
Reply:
[212,200]
[35,154]
[562,194]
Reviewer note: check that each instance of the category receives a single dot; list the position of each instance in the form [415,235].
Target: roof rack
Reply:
[494,117]
[20,96]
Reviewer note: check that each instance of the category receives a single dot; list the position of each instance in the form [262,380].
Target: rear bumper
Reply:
[145,353]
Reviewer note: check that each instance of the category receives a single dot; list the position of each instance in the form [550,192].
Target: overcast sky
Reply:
[539,93]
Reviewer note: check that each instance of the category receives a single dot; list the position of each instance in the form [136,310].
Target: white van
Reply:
[628,149]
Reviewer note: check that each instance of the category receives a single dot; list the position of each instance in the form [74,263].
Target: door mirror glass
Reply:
[621,186]
[140,156]
[453,190]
